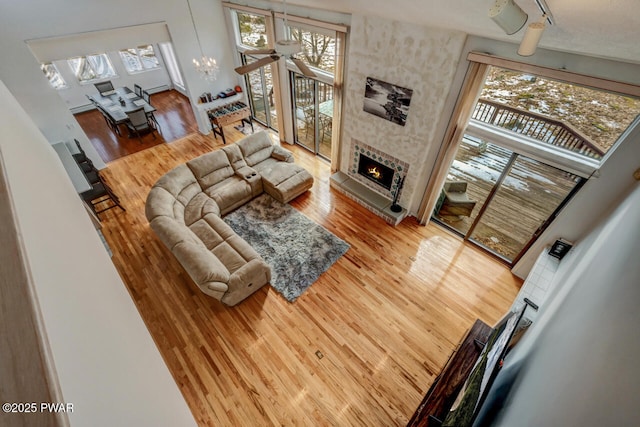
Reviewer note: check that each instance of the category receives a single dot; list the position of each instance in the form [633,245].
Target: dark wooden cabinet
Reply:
[445,388]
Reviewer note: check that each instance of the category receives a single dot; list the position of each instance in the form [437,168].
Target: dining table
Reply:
[326,108]
[118,102]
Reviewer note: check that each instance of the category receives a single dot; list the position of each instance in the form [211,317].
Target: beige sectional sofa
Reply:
[185,205]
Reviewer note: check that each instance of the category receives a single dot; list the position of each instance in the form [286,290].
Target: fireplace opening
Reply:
[375,171]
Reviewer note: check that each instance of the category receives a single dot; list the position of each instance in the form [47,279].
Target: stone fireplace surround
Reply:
[364,191]
[388,160]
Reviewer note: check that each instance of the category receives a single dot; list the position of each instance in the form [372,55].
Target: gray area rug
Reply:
[297,249]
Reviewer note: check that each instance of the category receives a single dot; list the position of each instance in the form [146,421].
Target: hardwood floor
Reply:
[384,318]
[174,115]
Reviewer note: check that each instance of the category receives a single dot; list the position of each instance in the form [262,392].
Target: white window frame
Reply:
[236,27]
[99,77]
[323,75]
[53,71]
[571,77]
[143,67]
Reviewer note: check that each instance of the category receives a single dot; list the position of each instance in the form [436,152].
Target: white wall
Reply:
[581,366]
[107,364]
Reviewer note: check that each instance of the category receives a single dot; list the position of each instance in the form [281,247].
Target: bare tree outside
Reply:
[318,49]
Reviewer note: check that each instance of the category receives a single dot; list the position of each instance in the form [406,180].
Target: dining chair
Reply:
[326,126]
[104,86]
[100,198]
[90,172]
[93,175]
[81,156]
[147,98]
[309,120]
[137,89]
[107,118]
[138,122]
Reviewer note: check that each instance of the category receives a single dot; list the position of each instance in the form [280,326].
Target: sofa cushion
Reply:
[235,156]
[245,281]
[286,181]
[276,173]
[198,207]
[282,154]
[230,193]
[223,242]
[211,168]
[172,232]
[201,265]
[267,164]
[256,148]
[180,183]
[162,203]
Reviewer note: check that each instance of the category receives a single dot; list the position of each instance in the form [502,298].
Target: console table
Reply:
[443,391]
[227,114]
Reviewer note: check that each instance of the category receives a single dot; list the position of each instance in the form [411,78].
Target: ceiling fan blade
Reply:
[260,52]
[247,68]
[303,67]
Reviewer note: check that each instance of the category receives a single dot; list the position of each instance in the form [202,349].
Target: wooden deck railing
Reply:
[304,91]
[536,126]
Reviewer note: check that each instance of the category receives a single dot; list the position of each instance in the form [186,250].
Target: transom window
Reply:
[318,49]
[585,120]
[252,30]
[92,67]
[139,59]
[53,75]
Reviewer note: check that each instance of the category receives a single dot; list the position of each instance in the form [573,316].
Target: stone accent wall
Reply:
[415,57]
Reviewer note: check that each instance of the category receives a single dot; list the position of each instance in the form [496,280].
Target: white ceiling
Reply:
[604,28]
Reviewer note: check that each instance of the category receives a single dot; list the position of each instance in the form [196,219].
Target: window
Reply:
[585,120]
[318,50]
[170,61]
[92,67]
[139,59]
[53,75]
[253,30]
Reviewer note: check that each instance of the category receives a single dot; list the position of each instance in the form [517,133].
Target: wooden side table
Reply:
[227,114]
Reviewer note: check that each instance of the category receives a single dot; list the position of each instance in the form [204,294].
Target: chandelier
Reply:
[206,66]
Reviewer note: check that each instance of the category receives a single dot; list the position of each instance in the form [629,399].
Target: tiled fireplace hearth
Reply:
[372,180]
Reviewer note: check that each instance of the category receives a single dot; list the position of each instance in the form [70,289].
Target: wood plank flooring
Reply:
[384,318]
[174,115]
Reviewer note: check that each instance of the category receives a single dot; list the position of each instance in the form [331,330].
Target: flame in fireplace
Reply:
[374,172]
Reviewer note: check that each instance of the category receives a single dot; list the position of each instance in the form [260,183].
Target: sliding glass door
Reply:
[260,94]
[508,197]
[529,144]
[305,112]
[313,113]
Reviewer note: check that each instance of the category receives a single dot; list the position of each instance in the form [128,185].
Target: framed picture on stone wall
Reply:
[387,100]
